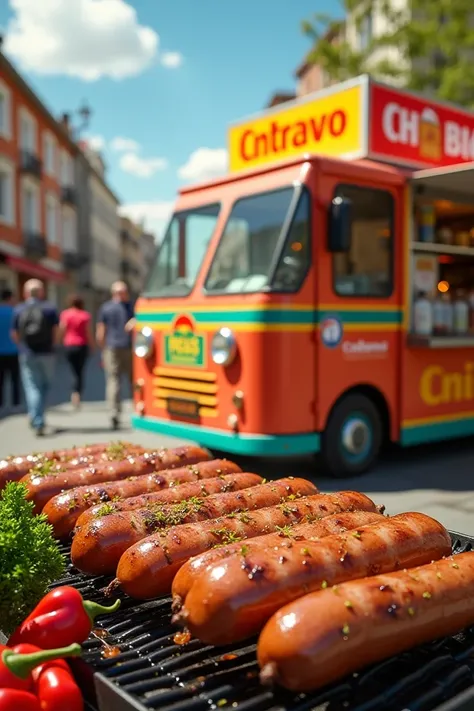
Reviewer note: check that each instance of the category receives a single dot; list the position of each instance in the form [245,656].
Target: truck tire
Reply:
[353,436]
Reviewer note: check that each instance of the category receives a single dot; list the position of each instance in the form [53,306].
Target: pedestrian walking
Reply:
[114,328]
[34,329]
[75,332]
[9,365]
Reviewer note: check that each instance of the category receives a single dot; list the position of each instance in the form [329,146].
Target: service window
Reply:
[367,269]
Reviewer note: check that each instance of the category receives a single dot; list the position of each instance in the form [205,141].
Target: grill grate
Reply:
[152,672]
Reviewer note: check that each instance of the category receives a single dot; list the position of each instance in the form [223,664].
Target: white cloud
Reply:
[204,164]
[154,214]
[121,144]
[97,143]
[88,39]
[141,167]
[172,60]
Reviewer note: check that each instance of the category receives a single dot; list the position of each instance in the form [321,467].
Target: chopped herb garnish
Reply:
[105,510]
[284,531]
[426,595]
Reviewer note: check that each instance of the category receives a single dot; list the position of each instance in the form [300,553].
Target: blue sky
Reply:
[169,78]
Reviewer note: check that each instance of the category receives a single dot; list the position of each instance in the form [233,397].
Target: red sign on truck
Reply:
[409,130]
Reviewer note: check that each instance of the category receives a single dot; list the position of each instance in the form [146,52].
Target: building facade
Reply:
[99,251]
[149,252]
[38,213]
[131,265]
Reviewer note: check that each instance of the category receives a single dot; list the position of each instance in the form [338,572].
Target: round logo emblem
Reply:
[331,331]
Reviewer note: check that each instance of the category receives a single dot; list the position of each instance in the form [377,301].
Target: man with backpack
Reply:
[34,328]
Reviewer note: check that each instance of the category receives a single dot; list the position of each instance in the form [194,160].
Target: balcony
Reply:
[68,195]
[73,261]
[34,244]
[30,164]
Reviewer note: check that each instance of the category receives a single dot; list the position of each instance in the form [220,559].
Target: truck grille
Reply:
[176,385]
[152,672]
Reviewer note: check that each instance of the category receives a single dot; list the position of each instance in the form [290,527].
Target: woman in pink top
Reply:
[76,333]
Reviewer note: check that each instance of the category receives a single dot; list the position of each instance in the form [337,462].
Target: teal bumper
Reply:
[245,444]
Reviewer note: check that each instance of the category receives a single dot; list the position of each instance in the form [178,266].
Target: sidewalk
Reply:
[69,427]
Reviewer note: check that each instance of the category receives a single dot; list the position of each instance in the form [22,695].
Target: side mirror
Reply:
[340,225]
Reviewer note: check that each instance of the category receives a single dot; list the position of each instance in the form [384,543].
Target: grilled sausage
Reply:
[233,599]
[323,636]
[14,468]
[42,488]
[147,569]
[285,537]
[64,510]
[97,547]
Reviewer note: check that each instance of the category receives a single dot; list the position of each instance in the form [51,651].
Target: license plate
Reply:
[183,408]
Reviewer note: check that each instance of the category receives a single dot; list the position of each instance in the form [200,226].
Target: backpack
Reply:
[35,329]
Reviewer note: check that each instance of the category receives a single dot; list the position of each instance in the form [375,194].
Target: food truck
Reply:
[320,297]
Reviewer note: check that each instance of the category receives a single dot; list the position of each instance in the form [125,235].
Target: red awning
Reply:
[35,270]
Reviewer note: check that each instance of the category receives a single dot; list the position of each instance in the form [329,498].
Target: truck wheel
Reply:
[353,436]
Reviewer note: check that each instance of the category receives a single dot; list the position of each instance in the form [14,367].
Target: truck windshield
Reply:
[245,258]
[181,252]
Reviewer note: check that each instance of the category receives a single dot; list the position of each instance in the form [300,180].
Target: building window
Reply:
[367,269]
[5,111]
[7,194]
[69,231]
[29,208]
[52,219]
[49,154]
[365,31]
[67,170]
[27,132]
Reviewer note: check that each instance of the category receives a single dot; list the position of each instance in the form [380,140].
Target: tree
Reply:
[435,39]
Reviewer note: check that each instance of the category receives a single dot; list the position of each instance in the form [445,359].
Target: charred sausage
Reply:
[14,468]
[285,537]
[64,510]
[146,570]
[327,634]
[97,547]
[42,487]
[233,599]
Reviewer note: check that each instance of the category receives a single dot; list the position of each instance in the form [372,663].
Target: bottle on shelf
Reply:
[471,311]
[448,313]
[426,223]
[422,315]
[461,314]
[439,324]
[445,235]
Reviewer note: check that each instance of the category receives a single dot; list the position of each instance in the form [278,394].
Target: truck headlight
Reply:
[223,347]
[144,342]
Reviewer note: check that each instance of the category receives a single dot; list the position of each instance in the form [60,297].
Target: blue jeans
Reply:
[36,375]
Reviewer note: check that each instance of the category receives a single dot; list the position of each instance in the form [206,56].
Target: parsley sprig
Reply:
[30,559]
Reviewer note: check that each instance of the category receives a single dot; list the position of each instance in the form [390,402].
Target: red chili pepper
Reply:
[17,663]
[56,688]
[16,700]
[61,618]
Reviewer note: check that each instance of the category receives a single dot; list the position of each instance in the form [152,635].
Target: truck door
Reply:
[359,324]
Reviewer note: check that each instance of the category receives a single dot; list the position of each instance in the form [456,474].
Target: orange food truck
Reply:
[319,298]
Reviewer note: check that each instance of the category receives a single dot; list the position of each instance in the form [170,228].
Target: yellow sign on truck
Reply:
[331,124]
